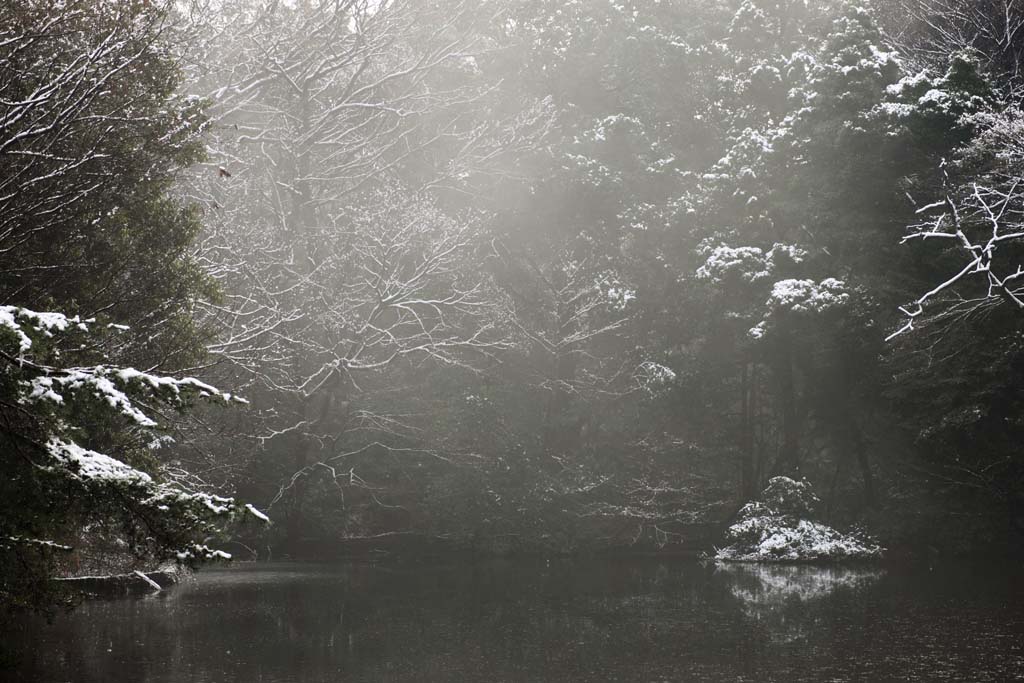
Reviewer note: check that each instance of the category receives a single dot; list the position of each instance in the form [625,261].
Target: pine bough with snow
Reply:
[78,441]
[777,528]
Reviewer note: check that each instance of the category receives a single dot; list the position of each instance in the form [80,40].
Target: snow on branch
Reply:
[109,385]
[57,407]
[800,298]
[978,222]
[748,264]
[85,464]
[806,296]
[654,377]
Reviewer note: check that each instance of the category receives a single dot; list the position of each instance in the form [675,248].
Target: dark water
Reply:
[574,620]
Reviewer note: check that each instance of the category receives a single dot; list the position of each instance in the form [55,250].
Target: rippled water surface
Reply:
[571,620]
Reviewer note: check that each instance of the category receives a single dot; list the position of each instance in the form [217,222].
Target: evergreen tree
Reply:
[98,278]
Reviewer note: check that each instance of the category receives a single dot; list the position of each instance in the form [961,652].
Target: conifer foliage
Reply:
[97,281]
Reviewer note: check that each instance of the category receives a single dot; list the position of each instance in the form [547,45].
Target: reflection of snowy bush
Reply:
[776,529]
[778,596]
[768,585]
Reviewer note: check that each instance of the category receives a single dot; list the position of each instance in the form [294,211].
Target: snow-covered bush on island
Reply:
[777,528]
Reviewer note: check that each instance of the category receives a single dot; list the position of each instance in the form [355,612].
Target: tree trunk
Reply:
[789,457]
[865,468]
[748,485]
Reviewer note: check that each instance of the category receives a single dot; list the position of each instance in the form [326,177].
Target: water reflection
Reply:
[782,598]
[586,620]
[774,585]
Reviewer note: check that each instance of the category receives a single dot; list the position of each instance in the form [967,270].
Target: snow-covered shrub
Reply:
[789,497]
[776,528]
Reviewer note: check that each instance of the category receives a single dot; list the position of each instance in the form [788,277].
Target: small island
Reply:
[777,528]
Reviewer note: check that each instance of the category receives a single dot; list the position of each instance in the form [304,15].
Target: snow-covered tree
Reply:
[787,207]
[97,280]
[80,441]
[345,139]
[331,122]
[959,329]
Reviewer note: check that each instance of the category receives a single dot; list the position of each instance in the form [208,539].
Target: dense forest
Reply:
[298,278]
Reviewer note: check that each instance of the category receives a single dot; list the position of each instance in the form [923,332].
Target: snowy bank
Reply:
[777,528]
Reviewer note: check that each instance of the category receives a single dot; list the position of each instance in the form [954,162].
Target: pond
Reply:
[537,620]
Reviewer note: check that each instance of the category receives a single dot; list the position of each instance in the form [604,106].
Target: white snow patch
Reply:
[256,513]
[87,464]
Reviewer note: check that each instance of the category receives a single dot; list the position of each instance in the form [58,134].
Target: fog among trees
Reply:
[308,278]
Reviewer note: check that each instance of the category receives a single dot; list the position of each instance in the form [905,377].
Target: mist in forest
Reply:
[331,279]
